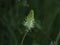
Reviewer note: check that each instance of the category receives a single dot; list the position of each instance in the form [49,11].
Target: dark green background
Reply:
[47,16]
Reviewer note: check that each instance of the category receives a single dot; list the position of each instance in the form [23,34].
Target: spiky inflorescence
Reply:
[29,20]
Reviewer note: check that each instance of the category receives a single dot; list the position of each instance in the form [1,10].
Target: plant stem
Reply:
[57,39]
[23,38]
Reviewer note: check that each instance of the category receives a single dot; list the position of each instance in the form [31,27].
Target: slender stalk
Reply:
[23,38]
[57,39]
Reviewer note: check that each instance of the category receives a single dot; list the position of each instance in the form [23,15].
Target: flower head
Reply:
[29,23]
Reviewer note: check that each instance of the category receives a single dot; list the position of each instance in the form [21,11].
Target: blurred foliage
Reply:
[46,30]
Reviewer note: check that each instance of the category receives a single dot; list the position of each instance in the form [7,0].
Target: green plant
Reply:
[15,20]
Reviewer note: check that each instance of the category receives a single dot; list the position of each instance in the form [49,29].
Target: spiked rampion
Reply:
[29,20]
